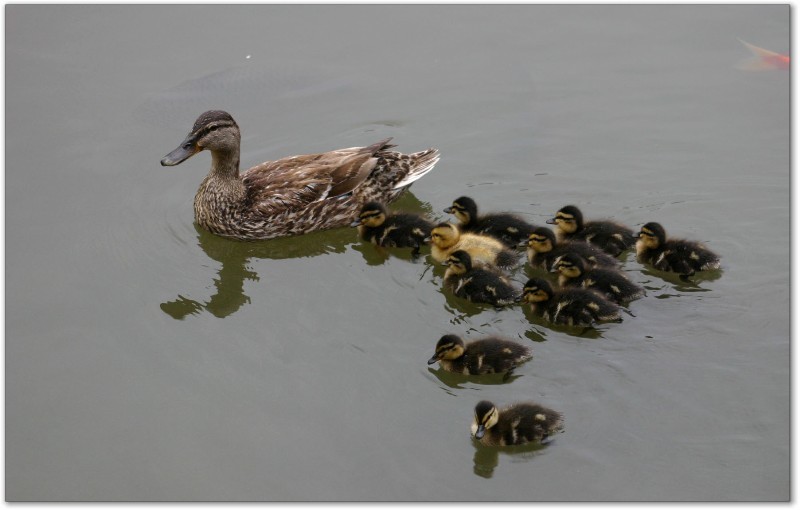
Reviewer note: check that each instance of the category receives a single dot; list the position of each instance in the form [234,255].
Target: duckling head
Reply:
[445,235]
[214,130]
[448,347]
[536,290]
[541,240]
[570,265]
[459,262]
[652,235]
[372,215]
[569,219]
[486,416]
[464,209]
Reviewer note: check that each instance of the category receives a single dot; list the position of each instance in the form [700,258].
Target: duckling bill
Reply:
[293,195]
[490,355]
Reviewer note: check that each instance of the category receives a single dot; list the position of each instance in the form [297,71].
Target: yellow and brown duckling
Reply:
[571,306]
[611,237]
[447,238]
[544,249]
[293,195]
[674,255]
[479,284]
[574,271]
[508,228]
[489,355]
[396,230]
[517,424]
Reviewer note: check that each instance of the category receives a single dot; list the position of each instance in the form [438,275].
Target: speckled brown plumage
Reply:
[293,195]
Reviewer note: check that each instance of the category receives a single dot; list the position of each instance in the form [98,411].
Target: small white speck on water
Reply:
[247,56]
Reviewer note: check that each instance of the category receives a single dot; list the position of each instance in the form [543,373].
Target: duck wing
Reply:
[294,182]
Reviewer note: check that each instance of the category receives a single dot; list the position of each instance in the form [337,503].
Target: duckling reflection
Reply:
[234,256]
[487,458]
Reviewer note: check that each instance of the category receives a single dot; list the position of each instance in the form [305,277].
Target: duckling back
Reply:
[610,282]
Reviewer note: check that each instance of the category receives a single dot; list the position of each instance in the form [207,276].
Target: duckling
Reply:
[571,306]
[477,284]
[446,238]
[543,250]
[484,356]
[675,255]
[293,195]
[520,423]
[397,230]
[510,229]
[574,271]
[611,237]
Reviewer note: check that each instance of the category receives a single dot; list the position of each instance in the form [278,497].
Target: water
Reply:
[150,360]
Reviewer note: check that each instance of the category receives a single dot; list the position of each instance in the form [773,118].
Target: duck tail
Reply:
[421,163]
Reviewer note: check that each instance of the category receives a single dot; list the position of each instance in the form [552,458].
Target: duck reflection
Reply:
[235,257]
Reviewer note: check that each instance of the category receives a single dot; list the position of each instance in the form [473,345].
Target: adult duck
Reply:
[293,195]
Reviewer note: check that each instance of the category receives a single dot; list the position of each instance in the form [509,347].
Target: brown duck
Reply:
[293,195]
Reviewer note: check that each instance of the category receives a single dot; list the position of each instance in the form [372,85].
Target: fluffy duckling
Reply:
[446,238]
[571,307]
[485,356]
[544,249]
[574,271]
[675,255]
[397,230]
[477,284]
[517,424]
[510,229]
[611,237]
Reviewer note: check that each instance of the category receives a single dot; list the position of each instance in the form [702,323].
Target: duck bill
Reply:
[356,223]
[551,221]
[433,360]
[449,210]
[185,150]
[480,432]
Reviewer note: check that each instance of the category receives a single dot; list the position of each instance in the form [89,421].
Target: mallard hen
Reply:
[293,195]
